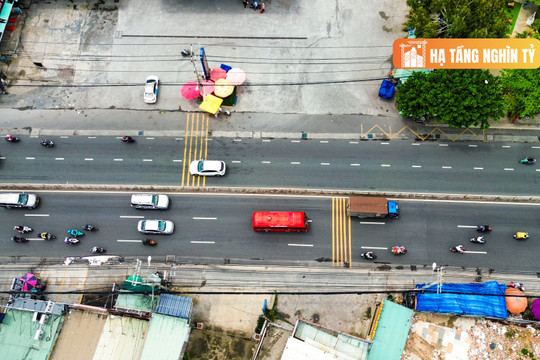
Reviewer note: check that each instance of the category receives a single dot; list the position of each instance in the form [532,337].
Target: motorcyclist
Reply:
[22,229]
[459,249]
[46,236]
[369,255]
[149,242]
[398,249]
[97,249]
[516,285]
[19,239]
[127,139]
[89,227]
[483,228]
[75,232]
[71,241]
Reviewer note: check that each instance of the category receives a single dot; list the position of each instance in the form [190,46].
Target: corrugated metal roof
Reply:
[166,338]
[174,305]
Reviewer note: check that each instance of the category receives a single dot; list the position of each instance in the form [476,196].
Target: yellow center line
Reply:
[184,166]
[350,247]
[197,153]
[205,117]
[333,231]
[190,147]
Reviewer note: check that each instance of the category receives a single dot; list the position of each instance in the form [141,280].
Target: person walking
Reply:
[245,3]
[262,8]
[2,86]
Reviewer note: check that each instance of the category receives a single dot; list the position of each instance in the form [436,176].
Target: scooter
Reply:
[368,255]
[127,139]
[47,143]
[149,242]
[19,239]
[478,240]
[97,250]
[47,236]
[89,227]
[12,139]
[459,249]
[185,52]
[527,161]
[71,241]
[398,250]
[483,228]
[23,229]
[75,233]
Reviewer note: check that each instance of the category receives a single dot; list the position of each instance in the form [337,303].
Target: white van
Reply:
[150,201]
[19,200]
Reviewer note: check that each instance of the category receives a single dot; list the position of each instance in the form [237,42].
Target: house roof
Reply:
[166,338]
[174,305]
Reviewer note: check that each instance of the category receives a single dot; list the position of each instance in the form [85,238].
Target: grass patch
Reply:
[513,14]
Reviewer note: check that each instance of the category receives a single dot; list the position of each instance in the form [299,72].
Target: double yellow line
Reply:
[195,146]
[341,233]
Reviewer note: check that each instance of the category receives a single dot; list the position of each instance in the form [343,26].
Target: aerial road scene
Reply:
[269,180]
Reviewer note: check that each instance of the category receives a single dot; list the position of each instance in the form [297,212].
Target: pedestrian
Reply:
[262,8]
[2,86]
[254,5]
[245,3]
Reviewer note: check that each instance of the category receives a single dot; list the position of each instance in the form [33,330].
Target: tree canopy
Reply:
[521,89]
[459,98]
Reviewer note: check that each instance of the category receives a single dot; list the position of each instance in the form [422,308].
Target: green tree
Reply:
[521,89]
[458,18]
[459,98]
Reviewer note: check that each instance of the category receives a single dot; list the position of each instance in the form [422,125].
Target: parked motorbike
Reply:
[71,241]
[23,229]
[47,236]
[89,227]
[149,242]
[483,228]
[185,52]
[527,161]
[516,285]
[12,139]
[459,249]
[128,139]
[19,239]
[47,143]
[478,240]
[97,250]
[368,255]
[75,233]
[398,250]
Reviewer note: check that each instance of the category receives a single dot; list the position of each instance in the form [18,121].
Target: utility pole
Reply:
[195,69]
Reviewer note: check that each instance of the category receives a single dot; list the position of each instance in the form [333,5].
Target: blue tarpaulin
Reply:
[386,91]
[486,299]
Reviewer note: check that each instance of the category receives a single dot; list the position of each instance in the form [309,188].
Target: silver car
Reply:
[207,168]
[160,227]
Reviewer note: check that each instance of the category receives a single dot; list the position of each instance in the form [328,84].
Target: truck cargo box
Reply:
[376,207]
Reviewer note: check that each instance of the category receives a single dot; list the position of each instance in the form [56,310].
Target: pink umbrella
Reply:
[236,76]
[190,90]
[218,73]
[208,86]
[536,309]
[30,281]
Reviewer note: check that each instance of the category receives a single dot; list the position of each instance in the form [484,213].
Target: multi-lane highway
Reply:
[398,165]
[219,226]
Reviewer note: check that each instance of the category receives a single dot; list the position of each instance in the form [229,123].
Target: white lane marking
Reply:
[443,144]
[355,164]
[30,158]
[446,167]
[304,245]
[506,146]
[373,247]
[64,137]
[295,162]
[178,139]
[60,159]
[236,162]
[175,160]
[33,136]
[535,147]
[508,169]
[118,159]
[204,218]
[325,164]
[35,239]
[353,142]
[238,140]
[42,215]
[475,252]
[88,159]
[91,137]
[372,223]
[384,143]
[266,140]
[131,217]
[415,144]
[265,162]
[149,138]
[2,158]
[295,141]
[467,226]
[478,168]
[324,141]
[473,145]
[210,139]
[385,165]
[537,169]
[417,166]
[203,242]
[133,241]
[147,160]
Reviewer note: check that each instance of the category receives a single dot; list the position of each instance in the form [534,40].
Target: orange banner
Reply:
[466,53]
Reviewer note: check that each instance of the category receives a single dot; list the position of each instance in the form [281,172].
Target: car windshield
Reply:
[201,166]
[23,199]
[161,225]
[154,200]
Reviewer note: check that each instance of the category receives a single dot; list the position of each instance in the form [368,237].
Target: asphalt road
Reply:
[399,165]
[219,226]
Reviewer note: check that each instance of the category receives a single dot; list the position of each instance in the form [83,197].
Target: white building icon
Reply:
[411,59]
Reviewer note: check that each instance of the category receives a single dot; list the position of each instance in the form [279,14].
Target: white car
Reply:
[161,227]
[151,89]
[207,168]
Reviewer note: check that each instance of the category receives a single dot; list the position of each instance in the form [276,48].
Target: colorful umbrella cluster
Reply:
[30,281]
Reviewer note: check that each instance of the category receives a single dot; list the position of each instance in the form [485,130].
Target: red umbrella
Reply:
[190,90]
[218,73]
[30,280]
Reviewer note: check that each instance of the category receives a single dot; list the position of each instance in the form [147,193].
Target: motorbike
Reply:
[47,143]
[97,250]
[75,233]
[71,241]
[19,239]
[149,242]
[398,250]
[516,285]
[128,139]
[89,227]
[47,236]
[459,249]
[527,161]
[368,255]
[185,52]
[23,229]
[520,235]
[483,228]
[478,240]
[12,139]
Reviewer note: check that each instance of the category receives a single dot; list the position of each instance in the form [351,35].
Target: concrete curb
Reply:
[268,191]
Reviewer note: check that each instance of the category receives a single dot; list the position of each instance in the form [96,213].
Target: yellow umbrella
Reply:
[223,88]
[211,104]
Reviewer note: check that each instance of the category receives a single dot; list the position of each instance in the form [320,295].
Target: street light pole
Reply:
[195,69]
